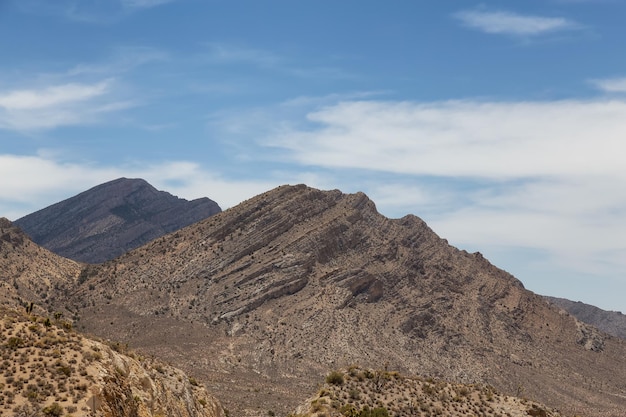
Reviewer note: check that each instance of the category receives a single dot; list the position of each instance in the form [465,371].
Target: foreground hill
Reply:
[357,392]
[262,299]
[612,322]
[112,218]
[52,371]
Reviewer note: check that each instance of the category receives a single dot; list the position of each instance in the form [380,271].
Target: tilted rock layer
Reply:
[262,299]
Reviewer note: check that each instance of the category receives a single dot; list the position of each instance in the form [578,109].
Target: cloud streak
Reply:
[509,23]
[55,106]
[611,85]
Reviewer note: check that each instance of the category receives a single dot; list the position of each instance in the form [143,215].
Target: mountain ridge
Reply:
[296,280]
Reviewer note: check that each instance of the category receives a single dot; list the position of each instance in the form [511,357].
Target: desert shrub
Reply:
[335,378]
[15,342]
[53,410]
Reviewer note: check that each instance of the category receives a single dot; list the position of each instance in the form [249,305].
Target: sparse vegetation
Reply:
[383,393]
[50,371]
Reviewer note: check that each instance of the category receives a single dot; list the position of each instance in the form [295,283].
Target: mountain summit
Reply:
[108,220]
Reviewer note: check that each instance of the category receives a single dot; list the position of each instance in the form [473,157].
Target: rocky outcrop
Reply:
[112,218]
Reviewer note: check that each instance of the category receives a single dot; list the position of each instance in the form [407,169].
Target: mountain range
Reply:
[264,299]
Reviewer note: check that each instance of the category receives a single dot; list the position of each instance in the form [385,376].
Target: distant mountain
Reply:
[612,322]
[104,222]
[264,298]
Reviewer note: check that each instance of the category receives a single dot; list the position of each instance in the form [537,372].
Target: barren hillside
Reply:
[28,272]
[262,299]
[358,392]
[47,369]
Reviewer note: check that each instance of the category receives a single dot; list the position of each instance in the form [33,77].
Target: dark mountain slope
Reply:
[101,223]
[612,322]
[271,294]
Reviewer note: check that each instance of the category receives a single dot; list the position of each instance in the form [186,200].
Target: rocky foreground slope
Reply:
[264,298]
[47,369]
[112,218]
[358,392]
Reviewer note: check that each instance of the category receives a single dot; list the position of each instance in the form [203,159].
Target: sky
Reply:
[502,124]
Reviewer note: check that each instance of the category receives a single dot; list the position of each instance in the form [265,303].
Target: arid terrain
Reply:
[377,393]
[47,369]
[262,301]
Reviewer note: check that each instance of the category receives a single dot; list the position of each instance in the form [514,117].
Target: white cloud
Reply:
[611,85]
[50,107]
[40,180]
[51,96]
[495,140]
[509,23]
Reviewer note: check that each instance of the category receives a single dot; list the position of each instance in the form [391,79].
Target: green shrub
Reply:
[335,378]
[53,410]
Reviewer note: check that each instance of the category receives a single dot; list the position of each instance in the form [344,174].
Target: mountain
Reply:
[29,272]
[50,370]
[105,221]
[611,322]
[262,299]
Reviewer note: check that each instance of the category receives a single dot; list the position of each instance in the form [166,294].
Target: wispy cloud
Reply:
[121,60]
[53,106]
[143,4]
[40,180]
[89,11]
[509,23]
[226,53]
[51,96]
[611,85]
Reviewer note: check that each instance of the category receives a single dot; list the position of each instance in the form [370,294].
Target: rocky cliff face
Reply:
[110,219]
[262,299]
[611,322]
[50,370]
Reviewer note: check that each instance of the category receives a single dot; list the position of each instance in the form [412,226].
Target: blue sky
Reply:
[501,124]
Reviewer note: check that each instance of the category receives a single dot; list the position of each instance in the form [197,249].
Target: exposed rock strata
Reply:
[274,292]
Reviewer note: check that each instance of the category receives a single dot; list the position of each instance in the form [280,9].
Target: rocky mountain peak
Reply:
[112,218]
